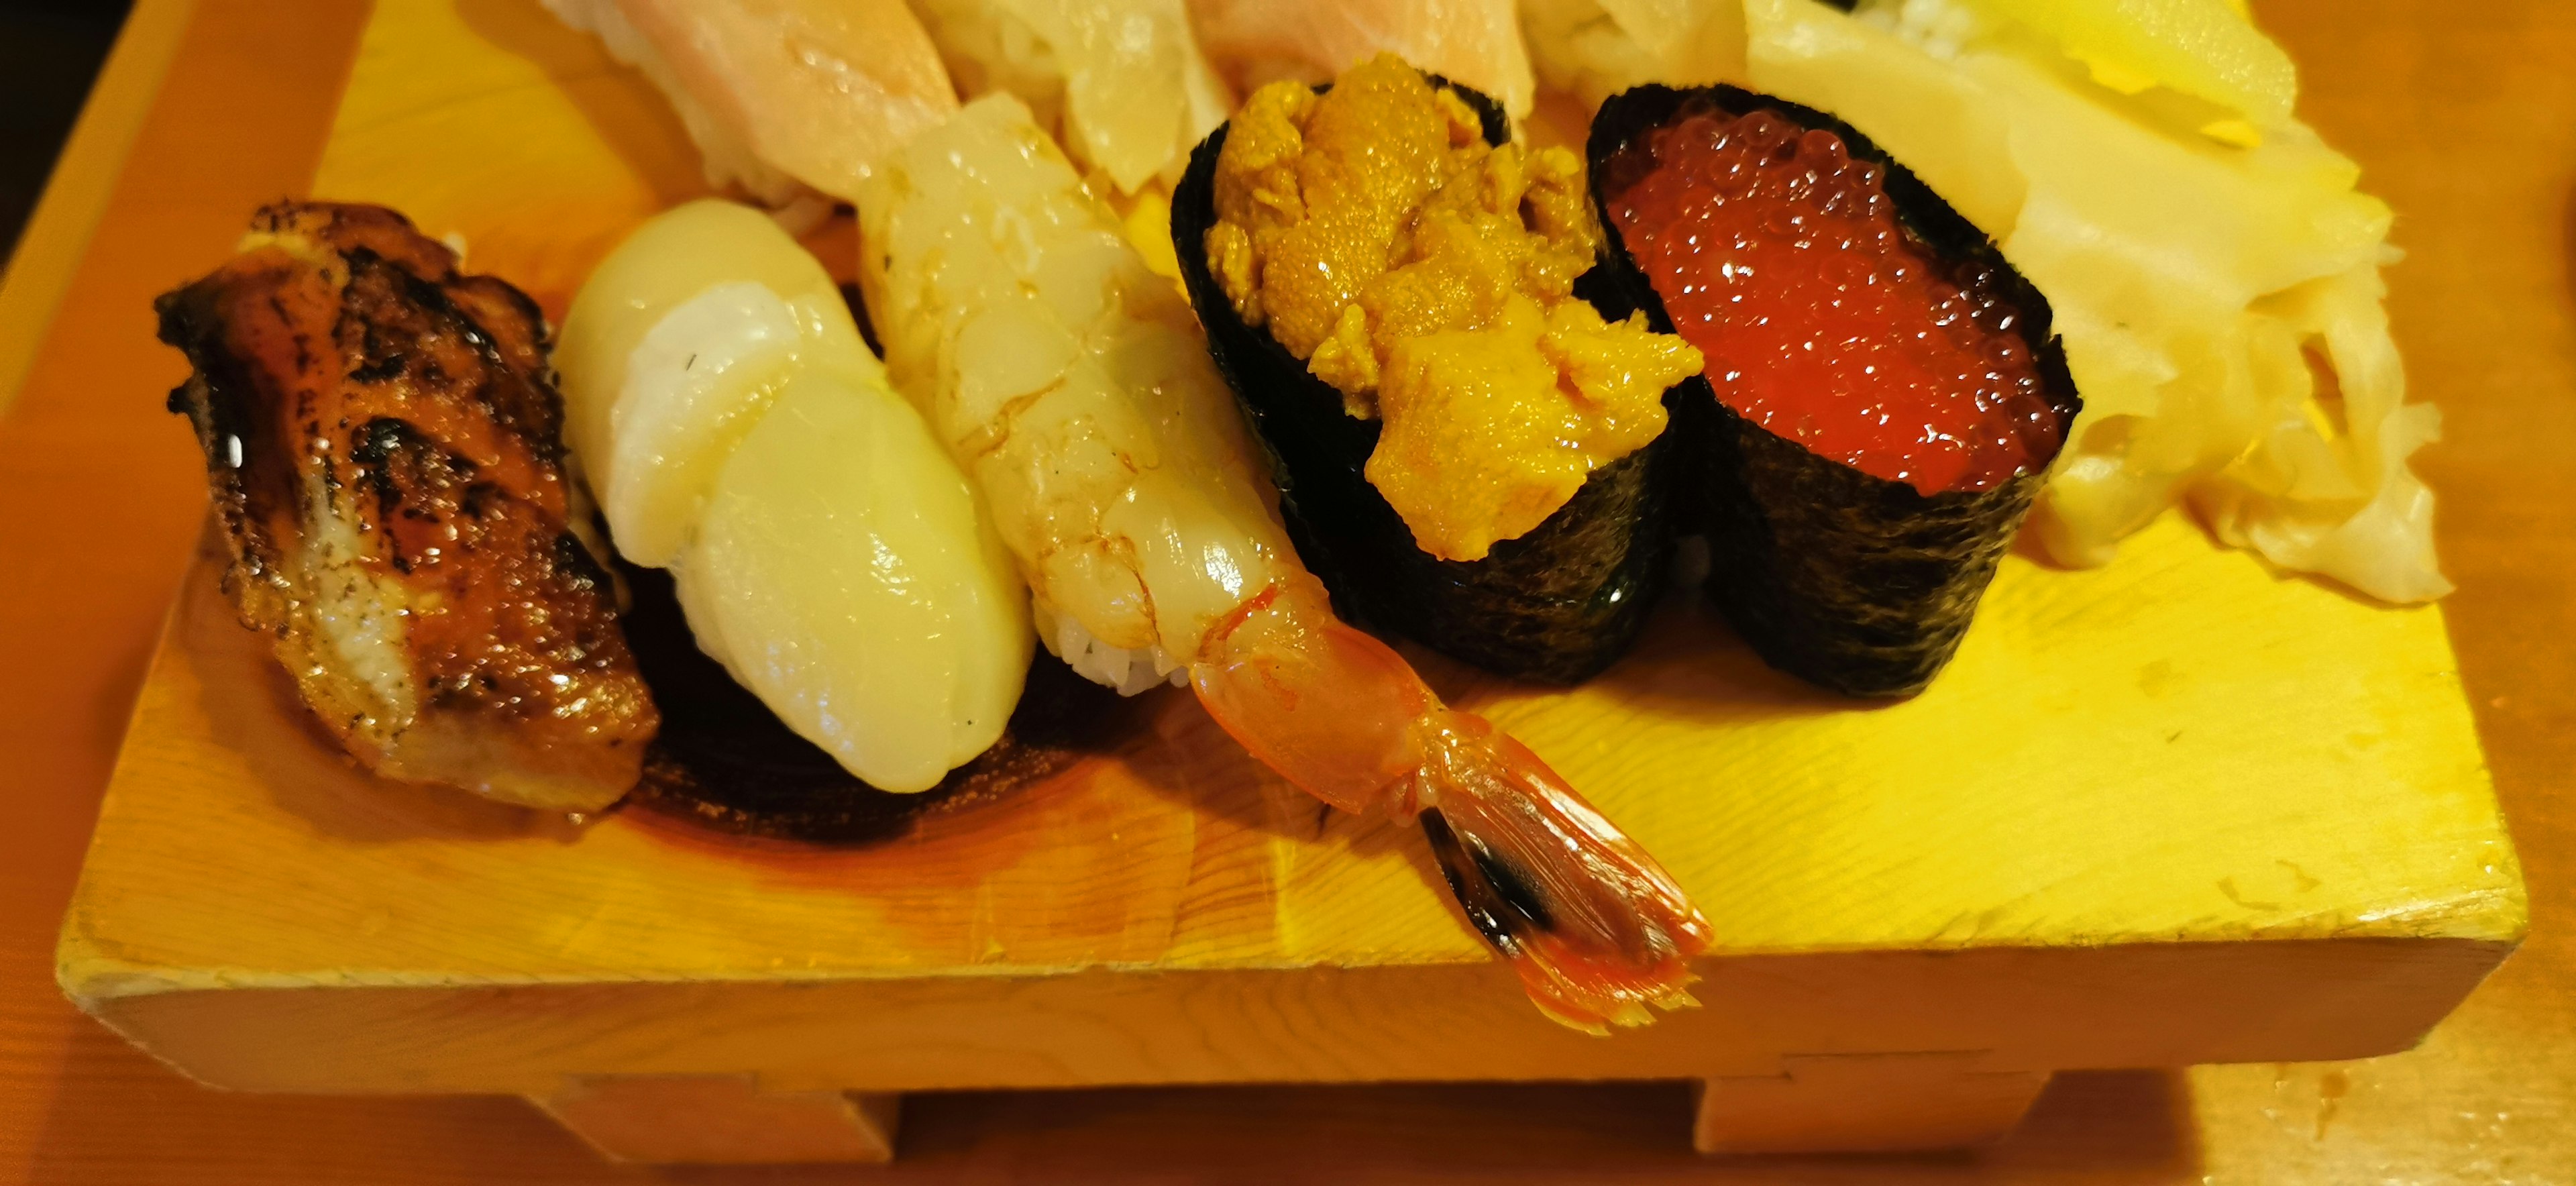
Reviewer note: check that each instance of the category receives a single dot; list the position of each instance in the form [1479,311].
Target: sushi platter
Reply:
[2177,807]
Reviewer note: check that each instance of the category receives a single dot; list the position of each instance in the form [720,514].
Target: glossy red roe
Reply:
[1780,257]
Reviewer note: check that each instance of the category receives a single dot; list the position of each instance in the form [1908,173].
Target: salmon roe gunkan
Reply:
[1820,317]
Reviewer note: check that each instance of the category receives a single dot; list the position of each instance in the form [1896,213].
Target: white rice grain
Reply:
[1126,669]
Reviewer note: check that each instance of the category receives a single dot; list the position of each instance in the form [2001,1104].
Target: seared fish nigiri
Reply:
[384,448]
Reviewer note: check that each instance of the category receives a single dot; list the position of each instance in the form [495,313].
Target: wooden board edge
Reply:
[2021,1010]
[85,968]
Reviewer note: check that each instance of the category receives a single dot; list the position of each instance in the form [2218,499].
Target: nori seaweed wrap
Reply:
[1858,583]
[1559,603]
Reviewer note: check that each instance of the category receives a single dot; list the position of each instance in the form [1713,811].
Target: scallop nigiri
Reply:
[826,549]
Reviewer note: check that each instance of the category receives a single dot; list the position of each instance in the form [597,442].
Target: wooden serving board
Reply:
[2175,810]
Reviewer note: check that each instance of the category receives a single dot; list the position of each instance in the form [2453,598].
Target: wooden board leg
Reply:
[721,1120]
[1863,1103]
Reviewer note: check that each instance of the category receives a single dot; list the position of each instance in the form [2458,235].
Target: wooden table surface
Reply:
[211,106]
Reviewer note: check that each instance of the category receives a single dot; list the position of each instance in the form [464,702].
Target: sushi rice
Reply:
[1129,670]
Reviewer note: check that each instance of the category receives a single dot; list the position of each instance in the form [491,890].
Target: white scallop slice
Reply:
[844,573]
[671,350]
[698,381]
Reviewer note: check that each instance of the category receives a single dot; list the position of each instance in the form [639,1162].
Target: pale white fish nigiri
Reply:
[1476,43]
[779,93]
[1121,83]
[827,550]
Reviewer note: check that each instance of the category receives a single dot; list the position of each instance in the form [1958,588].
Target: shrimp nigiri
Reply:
[1074,386]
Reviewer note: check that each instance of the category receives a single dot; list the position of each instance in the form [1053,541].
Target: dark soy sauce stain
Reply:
[724,761]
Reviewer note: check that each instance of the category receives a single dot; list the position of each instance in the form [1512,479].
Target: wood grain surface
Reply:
[2466,128]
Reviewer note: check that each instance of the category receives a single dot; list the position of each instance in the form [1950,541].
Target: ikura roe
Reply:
[1822,319]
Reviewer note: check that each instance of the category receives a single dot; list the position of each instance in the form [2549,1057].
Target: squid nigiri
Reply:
[825,548]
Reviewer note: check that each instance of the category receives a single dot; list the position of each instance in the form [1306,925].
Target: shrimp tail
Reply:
[1597,930]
